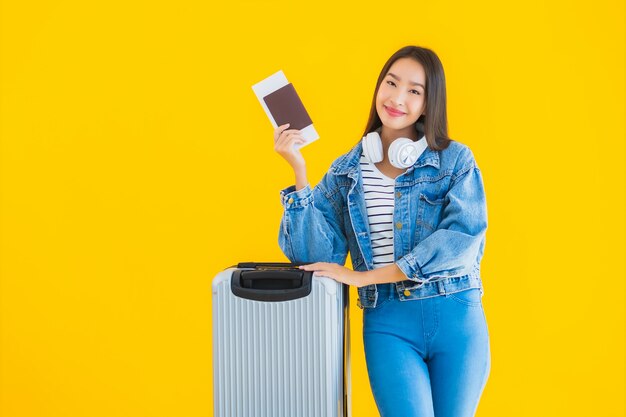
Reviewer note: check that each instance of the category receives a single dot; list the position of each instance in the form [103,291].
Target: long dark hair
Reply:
[435,122]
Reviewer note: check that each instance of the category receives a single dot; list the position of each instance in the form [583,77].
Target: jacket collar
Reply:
[349,162]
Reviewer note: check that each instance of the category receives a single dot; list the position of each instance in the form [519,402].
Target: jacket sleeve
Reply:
[311,228]
[457,244]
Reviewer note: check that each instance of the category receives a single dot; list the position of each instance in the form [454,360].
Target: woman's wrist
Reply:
[301,179]
[384,275]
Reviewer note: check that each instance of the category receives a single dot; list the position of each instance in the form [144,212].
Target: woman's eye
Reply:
[389,82]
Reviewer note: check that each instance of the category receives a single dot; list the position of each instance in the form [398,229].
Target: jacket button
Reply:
[398,194]
[399,225]
[290,201]
[407,293]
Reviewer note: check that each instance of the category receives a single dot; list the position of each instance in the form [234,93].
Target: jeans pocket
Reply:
[470,297]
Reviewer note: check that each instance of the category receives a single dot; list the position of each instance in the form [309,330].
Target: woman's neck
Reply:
[388,135]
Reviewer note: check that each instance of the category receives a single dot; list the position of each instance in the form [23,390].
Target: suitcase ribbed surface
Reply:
[273,359]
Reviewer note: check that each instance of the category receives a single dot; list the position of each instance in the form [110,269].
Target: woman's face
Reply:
[401,96]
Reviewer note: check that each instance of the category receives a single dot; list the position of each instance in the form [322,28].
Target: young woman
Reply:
[412,213]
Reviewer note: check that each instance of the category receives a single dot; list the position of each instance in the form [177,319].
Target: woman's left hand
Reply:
[337,272]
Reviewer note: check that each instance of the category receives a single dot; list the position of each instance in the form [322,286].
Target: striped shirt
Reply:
[378,190]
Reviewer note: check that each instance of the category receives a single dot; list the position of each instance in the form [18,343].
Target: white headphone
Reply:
[403,152]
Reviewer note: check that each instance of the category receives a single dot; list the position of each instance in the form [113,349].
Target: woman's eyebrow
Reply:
[411,82]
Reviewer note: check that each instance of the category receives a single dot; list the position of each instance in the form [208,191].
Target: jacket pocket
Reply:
[428,215]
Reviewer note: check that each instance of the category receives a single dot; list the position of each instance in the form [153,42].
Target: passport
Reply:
[282,104]
[286,107]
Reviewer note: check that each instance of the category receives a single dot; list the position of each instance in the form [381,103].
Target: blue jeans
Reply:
[428,357]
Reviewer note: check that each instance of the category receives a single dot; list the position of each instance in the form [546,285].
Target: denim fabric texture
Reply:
[429,357]
[440,221]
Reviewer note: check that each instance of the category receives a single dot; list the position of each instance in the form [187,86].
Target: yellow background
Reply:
[137,163]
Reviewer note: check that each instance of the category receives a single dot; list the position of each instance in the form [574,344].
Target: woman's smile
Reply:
[393,112]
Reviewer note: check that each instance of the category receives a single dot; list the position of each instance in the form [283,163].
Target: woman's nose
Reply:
[398,99]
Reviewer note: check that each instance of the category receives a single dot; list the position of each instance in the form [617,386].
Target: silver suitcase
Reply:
[280,343]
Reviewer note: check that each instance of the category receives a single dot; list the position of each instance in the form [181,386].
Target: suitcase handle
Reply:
[269,265]
[282,279]
[281,284]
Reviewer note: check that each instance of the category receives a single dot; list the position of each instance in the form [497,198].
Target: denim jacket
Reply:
[440,220]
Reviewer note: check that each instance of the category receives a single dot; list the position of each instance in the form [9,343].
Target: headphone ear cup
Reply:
[373,147]
[399,153]
[403,152]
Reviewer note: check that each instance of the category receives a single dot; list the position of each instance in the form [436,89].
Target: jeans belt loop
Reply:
[441,287]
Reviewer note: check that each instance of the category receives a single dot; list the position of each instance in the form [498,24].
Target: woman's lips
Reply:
[393,113]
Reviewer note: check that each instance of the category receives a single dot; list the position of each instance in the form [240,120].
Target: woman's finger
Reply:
[283,140]
[280,129]
[284,132]
[314,265]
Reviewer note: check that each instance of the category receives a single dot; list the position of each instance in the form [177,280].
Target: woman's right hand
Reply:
[284,141]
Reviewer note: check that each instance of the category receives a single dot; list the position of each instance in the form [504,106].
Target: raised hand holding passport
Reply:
[293,127]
